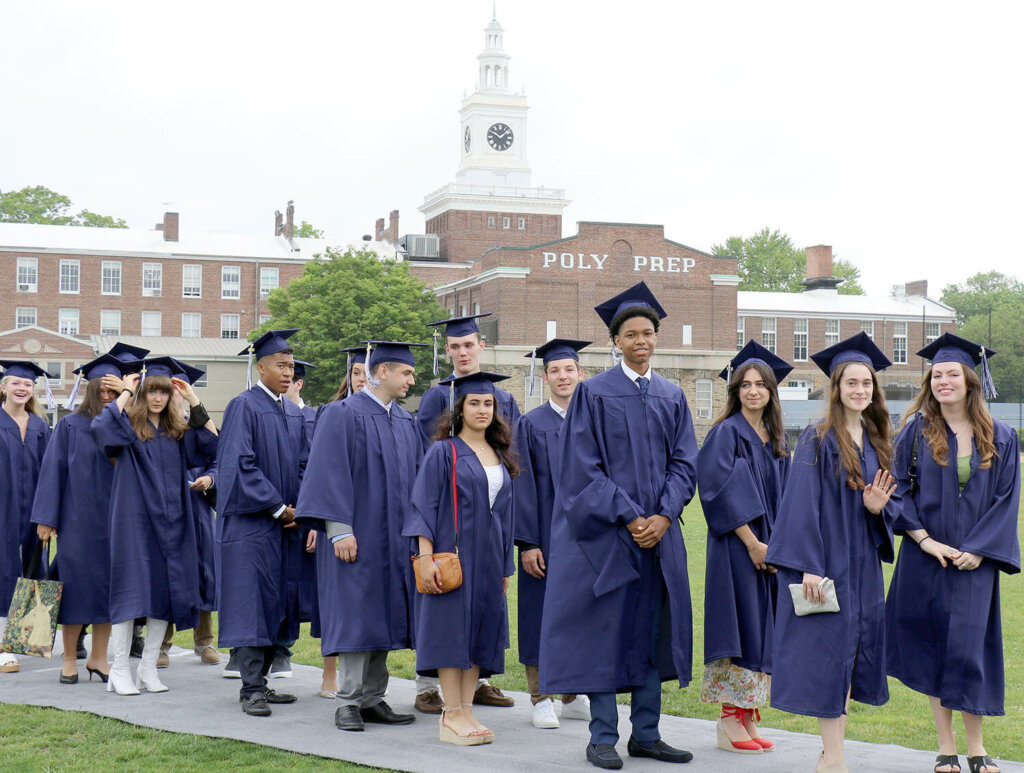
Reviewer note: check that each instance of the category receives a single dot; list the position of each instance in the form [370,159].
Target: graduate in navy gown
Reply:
[959,522]
[536,447]
[463,634]
[835,522]
[463,345]
[261,459]
[23,437]
[72,502]
[617,588]
[366,450]
[741,472]
[202,480]
[306,536]
[154,571]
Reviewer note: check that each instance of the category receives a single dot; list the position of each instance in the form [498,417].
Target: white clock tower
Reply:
[494,172]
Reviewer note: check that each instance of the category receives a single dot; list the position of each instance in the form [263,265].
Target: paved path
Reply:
[200,701]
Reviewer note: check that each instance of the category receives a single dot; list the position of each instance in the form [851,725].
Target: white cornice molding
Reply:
[500,272]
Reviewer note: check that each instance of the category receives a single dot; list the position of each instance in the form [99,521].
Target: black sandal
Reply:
[975,764]
[948,761]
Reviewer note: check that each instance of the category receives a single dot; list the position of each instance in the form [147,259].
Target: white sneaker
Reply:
[9,663]
[544,715]
[577,709]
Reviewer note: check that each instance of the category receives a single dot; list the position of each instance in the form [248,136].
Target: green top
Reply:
[963,470]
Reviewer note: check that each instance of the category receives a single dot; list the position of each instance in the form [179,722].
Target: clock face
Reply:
[500,136]
[468,138]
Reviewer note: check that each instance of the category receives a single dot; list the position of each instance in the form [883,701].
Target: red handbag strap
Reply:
[455,495]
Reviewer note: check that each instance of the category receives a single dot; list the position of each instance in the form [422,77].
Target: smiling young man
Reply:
[617,586]
[262,455]
[536,441]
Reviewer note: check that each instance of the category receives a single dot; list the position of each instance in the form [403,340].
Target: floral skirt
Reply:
[727,683]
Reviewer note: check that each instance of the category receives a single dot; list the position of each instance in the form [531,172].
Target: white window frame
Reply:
[225,283]
[26,277]
[70,270]
[899,343]
[929,335]
[741,332]
[159,323]
[868,326]
[551,329]
[687,335]
[69,322]
[186,329]
[110,330]
[59,370]
[22,315]
[831,336]
[800,339]
[264,318]
[703,397]
[114,269]
[506,222]
[490,221]
[202,380]
[193,284]
[152,280]
[270,279]
[522,224]
[226,320]
[770,333]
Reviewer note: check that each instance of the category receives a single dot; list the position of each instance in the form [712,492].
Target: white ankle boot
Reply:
[120,679]
[148,677]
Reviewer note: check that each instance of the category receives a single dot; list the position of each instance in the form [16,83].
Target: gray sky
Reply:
[890,130]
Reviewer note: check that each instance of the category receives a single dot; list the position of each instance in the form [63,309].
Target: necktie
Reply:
[643,382]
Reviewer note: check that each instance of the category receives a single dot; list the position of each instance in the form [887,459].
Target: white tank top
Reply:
[495,480]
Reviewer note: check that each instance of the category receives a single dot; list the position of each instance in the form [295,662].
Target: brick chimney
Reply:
[170,228]
[392,233]
[378,230]
[920,287]
[278,223]
[819,268]
[289,221]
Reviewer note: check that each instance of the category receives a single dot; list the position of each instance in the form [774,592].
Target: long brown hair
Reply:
[498,435]
[933,426]
[32,406]
[92,403]
[876,419]
[772,414]
[342,392]
[171,421]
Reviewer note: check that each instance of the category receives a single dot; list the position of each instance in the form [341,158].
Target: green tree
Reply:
[306,230]
[981,293]
[769,261]
[344,298]
[41,205]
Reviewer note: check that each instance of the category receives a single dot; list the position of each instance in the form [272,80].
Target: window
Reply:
[552,329]
[24,317]
[899,343]
[111,277]
[799,339]
[269,278]
[932,331]
[28,275]
[67,322]
[799,383]
[741,332]
[230,282]
[264,318]
[191,281]
[229,324]
[868,327]
[462,310]
[831,332]
[476,307]
[191,325]
[152,323]
[522,224]
[201,381]
[152,280]
[110,322]
[704,398]
[687,335]
[55,370]
[70,276]
[769,333]
[506,222]
[532,401]
[490,221]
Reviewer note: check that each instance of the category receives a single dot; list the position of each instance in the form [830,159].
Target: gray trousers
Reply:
[362,678]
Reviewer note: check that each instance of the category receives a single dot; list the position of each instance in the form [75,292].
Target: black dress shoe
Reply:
[256,705]
[347,718]
[385,715]
[603,755]
[280,697]
[659,750]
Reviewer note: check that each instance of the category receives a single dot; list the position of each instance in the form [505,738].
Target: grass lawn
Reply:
[78,740]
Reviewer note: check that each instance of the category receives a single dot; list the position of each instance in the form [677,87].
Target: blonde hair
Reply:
[32,406]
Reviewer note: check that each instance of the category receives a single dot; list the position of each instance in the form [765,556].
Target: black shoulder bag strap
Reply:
[912,466]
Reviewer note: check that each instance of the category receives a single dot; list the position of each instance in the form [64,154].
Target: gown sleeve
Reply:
[201,451]
[908,518]
[994,534]
[245,489]
[524,489]
[508,527]
[112,430]
[53,476]
[796,541]
[728,492]
[327,495]
[681,475]
[431,481]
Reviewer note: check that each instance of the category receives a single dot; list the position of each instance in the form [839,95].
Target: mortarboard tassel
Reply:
[248,371]
[348,374]
[69,404]
[51,404]
[616,358]
[369,376]
[533,368]
[988,386]
[451,409]
[436,336]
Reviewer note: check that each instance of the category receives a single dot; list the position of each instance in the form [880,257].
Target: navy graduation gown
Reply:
[154,571]
[823,528]
[621,457]
[360,473]
[435,402]
[469,625]
[536,442]
[307,561]
[740,480]
[261,457]
[73,497]
[19,470]
[203,456]
[943,626]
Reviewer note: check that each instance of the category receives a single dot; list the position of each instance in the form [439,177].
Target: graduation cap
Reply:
[391,351]
[31,371]
[858,348]
[300,368]
[456,327]
[121,360]
[167,367]
[480,383]
[271,342]
[128,354]
[355,355]
[555,349]
[638,295]
[186,372]
[952,348]
[752,353]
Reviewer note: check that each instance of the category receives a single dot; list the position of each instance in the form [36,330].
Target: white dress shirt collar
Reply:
[369,393]
[557,408]
[632,375]
[275,398]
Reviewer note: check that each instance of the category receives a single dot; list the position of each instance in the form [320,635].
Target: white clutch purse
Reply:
[804,606]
